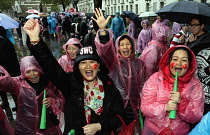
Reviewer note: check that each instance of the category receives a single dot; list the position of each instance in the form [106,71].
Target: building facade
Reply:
[137,6]
[21,6]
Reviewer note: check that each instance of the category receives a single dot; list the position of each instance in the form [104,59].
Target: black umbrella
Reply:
[133,17]
[184,11]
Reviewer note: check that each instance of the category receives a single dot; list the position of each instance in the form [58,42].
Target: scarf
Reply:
[93,98]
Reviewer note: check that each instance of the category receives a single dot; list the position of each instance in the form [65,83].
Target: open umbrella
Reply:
[147,14]
[33,11]
[134,17]
[183,11]
[7,22]
[32,16]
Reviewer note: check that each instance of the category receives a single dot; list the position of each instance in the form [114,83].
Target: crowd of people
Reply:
[112,69]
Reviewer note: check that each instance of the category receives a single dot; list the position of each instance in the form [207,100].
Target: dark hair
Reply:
[201,21]
[180,48]
[199,18]
[129,38]
[2,32]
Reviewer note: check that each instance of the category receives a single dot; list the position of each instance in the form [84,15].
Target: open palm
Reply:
[100,20]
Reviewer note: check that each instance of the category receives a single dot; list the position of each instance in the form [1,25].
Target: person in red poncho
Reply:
[158,97]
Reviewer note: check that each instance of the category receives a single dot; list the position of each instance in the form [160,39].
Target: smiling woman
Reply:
[158,97]
[87,90]
[29,87]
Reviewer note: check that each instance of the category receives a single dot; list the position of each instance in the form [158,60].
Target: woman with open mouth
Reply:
[29,88]
[71,48]
[127,72]
[158,97]
[92,102]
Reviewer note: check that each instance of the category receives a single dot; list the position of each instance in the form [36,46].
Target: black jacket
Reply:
[72,89]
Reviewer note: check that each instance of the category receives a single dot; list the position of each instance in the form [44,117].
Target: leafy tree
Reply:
[64,3]
[6,4]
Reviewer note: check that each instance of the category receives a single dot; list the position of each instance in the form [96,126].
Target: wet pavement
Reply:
[53,43]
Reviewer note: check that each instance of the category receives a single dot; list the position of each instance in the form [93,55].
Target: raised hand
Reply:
[32,28]
[100,20]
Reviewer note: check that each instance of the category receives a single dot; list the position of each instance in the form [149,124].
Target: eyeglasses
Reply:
[194,25]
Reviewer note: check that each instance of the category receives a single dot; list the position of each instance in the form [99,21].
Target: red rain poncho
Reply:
[65,61]
[128,74]
[29,104]
[5,127]
[156,94]
[152,54]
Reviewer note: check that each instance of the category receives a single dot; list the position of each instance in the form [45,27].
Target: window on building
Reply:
[147,7]
[115,9]
[137,10]
[112,11]
[121,8]
[108,11]
[154,6]
[48,9]
[161,4]
[126,7]
[203,1]
[30,8]
[131,8]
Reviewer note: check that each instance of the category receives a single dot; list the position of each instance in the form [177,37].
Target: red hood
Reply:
[164,66]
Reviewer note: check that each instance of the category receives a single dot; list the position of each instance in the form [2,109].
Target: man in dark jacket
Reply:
[200,45]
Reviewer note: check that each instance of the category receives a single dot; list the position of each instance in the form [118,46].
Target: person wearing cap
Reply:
[117,26]
[92,101]
[127,72]
[71,48]
[181,38]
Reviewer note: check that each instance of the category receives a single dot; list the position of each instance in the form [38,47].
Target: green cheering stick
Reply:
[172,113]
[43,116]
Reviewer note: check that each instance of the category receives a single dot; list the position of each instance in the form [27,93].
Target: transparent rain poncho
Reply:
[156,94]
[5,127]
[29,103]
[128,74]
[65,61]
[152,54]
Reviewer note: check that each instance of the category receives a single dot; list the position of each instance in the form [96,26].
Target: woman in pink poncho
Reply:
[152,54]
[145,36]
[158,97]
[127,72]
[71,48]
[29,88]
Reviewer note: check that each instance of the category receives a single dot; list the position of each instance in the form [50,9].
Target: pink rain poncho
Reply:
[65,61]
[133,30]
[145,36]
[176,28]
[29,103]
[152,54]
[128,74]
[5,127]
[156,94]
